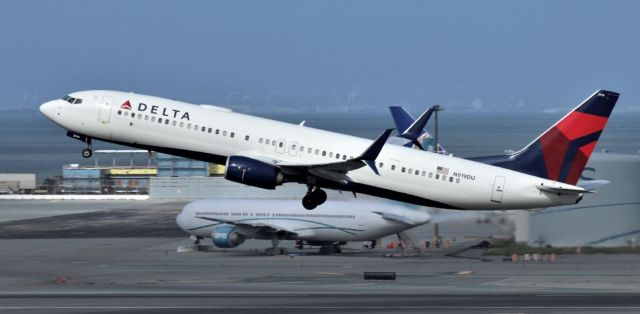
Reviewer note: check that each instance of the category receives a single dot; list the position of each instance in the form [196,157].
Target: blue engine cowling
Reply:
[253,172]
[226,236]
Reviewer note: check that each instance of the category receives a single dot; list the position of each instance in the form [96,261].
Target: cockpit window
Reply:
[72,100]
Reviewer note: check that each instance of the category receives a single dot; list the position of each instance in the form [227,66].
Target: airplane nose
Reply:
[48,109]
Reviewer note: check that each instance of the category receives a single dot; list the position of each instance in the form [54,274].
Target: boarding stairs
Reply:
[406,240]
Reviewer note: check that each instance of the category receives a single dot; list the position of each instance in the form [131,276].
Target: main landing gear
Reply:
[315,196]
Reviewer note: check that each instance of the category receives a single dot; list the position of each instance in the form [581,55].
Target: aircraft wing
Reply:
[258,225]
[395,217]
[336,171]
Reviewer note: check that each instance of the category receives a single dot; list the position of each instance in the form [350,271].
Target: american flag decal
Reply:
[126,105]
[442,170]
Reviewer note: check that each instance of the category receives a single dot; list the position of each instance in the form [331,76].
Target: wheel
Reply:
[320,196]
[336,249]
[308,202]
[86,153]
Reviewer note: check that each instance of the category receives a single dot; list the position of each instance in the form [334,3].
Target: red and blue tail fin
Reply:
[562,152]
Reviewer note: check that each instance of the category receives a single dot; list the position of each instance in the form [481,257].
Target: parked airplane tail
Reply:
[562,152]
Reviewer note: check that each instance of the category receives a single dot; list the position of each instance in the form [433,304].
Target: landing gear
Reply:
[315,196]
[274,249]
[329,249]
[87,152]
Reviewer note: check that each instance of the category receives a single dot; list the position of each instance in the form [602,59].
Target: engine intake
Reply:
[253,172]
[226,236]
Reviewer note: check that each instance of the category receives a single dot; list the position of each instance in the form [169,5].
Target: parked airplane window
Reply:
[204,128]
[393,167]
[159,120]
[437,176]
[331,154]
[380,165]
[174,123]
[424,173]
[324,153]
[293,147]
[267,142]
[281,144]
[410,171]
[189,126]
[444,178]
[153,119]
[246,137]
[209,130]
[181,124]
[119,112]
[166,121]
[302,148]
[337,156]
[126,113]
[403,169]
[344,157]
[232,134]
[260,140]
[217,131]
[224,133]
[430,175]
[133,114]
[457,180]
[273,143]
[450,179]
[195,127]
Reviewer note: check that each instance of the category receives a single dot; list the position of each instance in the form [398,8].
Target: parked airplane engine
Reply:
[253,172]
[226,236]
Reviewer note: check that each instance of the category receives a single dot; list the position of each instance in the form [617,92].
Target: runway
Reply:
[319,303]
[123,258]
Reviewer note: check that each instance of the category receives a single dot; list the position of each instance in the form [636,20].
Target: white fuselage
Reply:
[212,133]
[333,222]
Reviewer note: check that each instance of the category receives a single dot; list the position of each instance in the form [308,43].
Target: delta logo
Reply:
[126,105]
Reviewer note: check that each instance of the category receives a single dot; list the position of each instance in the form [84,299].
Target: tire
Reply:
[309,202]
[320,196]
[86,153]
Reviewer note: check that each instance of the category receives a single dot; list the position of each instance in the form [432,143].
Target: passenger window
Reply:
[189,126]
[166,121]
[174,123]
[430,175]
[224,133]
[204,128]
[217,131]
[126,113]
[410,171]
[209,130]
[302,148]
[146,117]
[393,167]
[246,137]
[153,119]
[133,114]
[267,141]
[403,169]
[281,144]
[450,179]
[119,112]
[273,143]
[337,156]
[324,153]
[317,151]
[424,173]
[232,134]
[260,140]
[159,120]
[457,180]
[417,172]
[139,117]
[331,154]
[344,157]
[181,124]
[444,178]
[437,176]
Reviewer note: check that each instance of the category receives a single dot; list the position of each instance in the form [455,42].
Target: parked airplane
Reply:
[230,222]
[267,153]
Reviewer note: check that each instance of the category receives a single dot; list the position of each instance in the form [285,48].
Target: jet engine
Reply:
[226,236]
[253,172]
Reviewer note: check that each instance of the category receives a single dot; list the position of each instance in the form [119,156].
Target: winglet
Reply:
[369,156]
[416,128]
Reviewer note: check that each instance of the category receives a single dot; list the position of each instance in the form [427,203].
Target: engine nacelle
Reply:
[253,172]
[226,236]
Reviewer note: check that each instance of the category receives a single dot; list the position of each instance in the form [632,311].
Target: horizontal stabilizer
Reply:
[591,185]
[565,189]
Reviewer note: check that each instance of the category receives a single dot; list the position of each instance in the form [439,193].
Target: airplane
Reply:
[229,222]
[266,153]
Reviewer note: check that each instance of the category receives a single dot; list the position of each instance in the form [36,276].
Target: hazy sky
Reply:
[253,55]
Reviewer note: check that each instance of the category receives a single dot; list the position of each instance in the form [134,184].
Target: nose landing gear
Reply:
[87,152]
[315,196]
